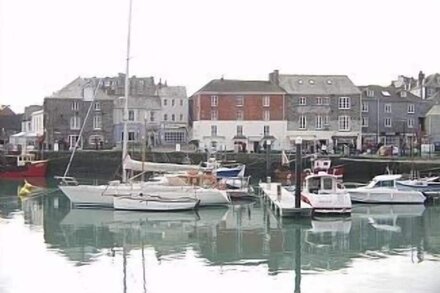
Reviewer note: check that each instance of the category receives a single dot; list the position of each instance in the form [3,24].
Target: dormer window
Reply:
[300,81]
[370,93]
[311,81]
[329,81]
[403,94]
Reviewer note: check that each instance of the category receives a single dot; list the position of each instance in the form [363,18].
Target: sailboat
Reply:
[81,195]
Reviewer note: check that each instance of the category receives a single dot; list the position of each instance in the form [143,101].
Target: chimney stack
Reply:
[274,77]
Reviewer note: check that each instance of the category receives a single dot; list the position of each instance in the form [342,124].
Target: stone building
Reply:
[322,109]
[65,112]
[391,116]
[10,123]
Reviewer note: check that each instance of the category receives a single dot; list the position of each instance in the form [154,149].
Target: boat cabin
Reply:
[321,183]
[19,160]
[384,181]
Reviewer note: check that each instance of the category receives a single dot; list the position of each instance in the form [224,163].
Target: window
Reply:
[181,117]
[214,101]
[72,140]
[165,117]
[403,94]
[266,115]
[130,115]
[214,114]
[411,109]
[131,136]
[318,122]
[97,106]
[386,94]
[240,101]
[318,100]
[75,122]
[387,122]
[387,108]
[411,123]
[326,120]
[239,130]
[302,122]
[239,114]
[344,103]
[173,102]
[174,137]
[97,122]
[364,106]
[75,106]
[430,92]
[165,102]
[266,130]
[326,101]
[302,101]
[213,130]
[181,102]
[266,101]
[95,139]
[364,121]
[344,123]
[151,116]
[173,117]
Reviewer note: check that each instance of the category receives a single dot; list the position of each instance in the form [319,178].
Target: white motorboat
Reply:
[325,195]
[141,202]
[384,189]
[102,195]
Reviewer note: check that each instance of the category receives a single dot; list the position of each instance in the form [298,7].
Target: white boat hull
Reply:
[147,203]
[390,196]
[329,203]
[102,195]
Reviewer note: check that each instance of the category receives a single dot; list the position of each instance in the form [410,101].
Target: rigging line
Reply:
[82,128]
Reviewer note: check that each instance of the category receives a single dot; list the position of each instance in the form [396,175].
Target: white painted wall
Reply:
[226,130]
[37,122]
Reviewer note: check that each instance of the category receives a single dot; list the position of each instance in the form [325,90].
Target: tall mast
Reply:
[127,89]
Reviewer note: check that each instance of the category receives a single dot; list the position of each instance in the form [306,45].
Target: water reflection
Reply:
[244,236]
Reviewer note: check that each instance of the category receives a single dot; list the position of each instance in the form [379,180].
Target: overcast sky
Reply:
[44,44]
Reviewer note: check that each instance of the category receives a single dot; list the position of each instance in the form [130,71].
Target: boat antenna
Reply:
[126,94]
[82,128]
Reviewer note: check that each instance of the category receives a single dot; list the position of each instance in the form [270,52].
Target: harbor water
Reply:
[45,246]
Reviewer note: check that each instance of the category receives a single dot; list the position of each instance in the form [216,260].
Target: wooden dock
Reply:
[283,203]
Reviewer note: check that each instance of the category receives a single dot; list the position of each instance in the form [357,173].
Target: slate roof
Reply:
[172,92]
[299,84]
[240,86]
[433,80]
[394,94]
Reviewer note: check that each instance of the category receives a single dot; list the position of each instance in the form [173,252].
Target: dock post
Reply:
[298,172]
[279,192]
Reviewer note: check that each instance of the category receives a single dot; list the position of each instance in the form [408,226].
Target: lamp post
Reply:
[298,171]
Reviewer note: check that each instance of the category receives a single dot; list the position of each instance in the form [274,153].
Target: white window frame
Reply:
[302,123]
[387,108]
[326,101]
[214,130]
[214,101]
[75,105]
[388,119]
[129,116]
[266,101]
[152,116]
[370,93]
[411,122]
[365,107]
[344,103]
[318,122]
[75,122]
[302,101]
[165,102]
[214,114]
[165,117]
[240,114]
[239,101]
[97,121]
[344,123]
[411,109]
[266,115]
[239,130]
[326,120]
[173,102]
[266,130]
[364,121]
[319,101]
[173,117]
[97,106]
